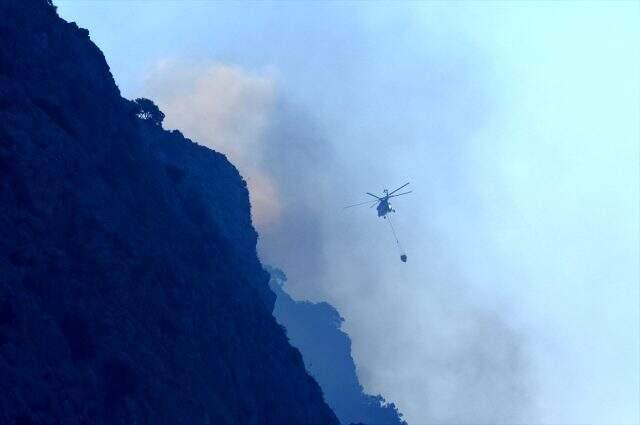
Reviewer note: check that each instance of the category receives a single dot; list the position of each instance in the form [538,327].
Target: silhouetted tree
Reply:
[148,111]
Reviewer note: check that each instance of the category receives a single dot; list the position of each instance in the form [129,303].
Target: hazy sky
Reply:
[518,125]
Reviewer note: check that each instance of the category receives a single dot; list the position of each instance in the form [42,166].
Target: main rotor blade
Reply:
[399,194]
[374,196]
[399,188]
[361,203]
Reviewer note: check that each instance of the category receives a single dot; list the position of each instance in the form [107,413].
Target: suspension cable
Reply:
[394,234]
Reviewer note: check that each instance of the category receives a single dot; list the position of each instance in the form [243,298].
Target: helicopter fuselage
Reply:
[384,207]
[382,204]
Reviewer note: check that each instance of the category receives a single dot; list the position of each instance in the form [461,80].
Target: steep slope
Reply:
[130,289]
[315,330]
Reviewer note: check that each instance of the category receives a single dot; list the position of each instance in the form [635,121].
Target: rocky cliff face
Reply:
[130,290]
[314,328]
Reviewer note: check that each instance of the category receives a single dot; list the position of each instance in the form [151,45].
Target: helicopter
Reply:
[382,204]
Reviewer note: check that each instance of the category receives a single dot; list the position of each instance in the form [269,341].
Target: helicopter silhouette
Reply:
[382,204]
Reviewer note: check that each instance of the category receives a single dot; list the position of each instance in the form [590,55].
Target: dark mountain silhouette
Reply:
[130,289]
[314,328]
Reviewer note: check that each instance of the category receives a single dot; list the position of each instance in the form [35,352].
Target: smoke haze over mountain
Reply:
[462,353]
[517,127]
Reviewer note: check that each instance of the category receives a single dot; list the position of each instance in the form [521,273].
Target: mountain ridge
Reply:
[131,291]
[315,329]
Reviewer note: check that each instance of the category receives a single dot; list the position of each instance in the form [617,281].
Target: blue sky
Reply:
[518,126]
